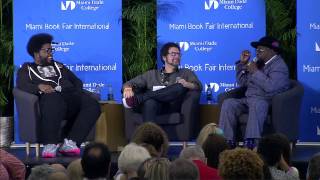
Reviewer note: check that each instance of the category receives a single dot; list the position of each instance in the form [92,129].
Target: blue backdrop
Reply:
[88,33]
[308,57]
[211,35]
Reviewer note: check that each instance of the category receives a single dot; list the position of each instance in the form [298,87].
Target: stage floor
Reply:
[300,157]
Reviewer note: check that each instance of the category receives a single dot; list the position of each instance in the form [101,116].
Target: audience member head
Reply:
[240,163]
[95,160]
[131,157]
[58,167]
[183,169]
[74,170]
[58,175]
[151,133]
[193,153]
[210,128]
[270,149]
[151,149]
[37,41]
[212,147]
[285,145]
[154,168]
[41,172]
[313,171]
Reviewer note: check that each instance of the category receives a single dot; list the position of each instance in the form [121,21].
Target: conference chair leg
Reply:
[184,144]
[37,149]
[27,148]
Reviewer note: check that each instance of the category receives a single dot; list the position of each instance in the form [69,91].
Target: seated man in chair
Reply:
[164,89]
[263,78]
[61,97]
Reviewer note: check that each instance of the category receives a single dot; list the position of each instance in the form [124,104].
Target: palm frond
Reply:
[139,37]
[281,24]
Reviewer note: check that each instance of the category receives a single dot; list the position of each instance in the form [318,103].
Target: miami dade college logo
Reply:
[68,5]
[208,4]
[184,46]
[215,87]
[317,48]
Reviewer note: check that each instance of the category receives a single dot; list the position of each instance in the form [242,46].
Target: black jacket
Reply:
[28,81]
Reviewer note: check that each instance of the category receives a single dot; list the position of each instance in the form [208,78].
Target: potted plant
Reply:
[139,37]
[6,73]
[281,23]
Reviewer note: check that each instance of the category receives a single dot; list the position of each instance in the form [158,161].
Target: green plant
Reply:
[139,37]
[281,24]
[6,56]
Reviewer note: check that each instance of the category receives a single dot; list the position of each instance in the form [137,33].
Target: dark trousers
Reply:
[78,109]
[163,101]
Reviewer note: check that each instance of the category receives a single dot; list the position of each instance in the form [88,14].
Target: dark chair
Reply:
[29,115]
[178,126]
[283,115]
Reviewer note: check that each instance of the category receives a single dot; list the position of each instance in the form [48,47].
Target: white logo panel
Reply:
[211,3]
[68,5]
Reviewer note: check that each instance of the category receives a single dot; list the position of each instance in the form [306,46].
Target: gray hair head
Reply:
[41,172]
[313,171]
[191,152]
[131,157]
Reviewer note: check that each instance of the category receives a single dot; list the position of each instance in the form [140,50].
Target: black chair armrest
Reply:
[28,112]
[286,111]
[234,93]
[95,96]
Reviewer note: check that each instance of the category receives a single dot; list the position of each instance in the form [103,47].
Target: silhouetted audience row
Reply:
[145,158]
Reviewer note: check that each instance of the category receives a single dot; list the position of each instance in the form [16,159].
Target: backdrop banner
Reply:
[211,34]
[308,57]
[88,36]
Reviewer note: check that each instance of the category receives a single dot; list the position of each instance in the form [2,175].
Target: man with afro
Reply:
[61,97]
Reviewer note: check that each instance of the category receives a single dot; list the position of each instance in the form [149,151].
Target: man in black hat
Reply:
[264,77]
[60,97]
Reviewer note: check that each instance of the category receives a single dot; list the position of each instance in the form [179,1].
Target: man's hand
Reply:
[186,84]
[245,56]
[128,92]
[252,67]
[45,88]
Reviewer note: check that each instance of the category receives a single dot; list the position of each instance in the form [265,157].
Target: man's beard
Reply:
[44,61]
[173,64]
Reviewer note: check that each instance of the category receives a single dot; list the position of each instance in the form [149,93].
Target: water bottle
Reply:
[209,93]
[97,91]
[110,93]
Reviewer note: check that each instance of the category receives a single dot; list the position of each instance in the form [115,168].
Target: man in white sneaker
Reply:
[159,90]
[61,97]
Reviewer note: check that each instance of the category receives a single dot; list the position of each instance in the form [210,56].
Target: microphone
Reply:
[254,60]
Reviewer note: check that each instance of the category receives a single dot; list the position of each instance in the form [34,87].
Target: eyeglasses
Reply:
[173,54]
[260,50]
[49,50]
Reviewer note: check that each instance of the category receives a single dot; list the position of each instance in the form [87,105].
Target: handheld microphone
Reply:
[254,60]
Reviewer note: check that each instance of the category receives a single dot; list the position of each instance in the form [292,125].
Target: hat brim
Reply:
[256,44]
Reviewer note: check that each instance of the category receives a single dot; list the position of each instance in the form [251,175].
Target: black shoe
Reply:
[250,143]
[232,144]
